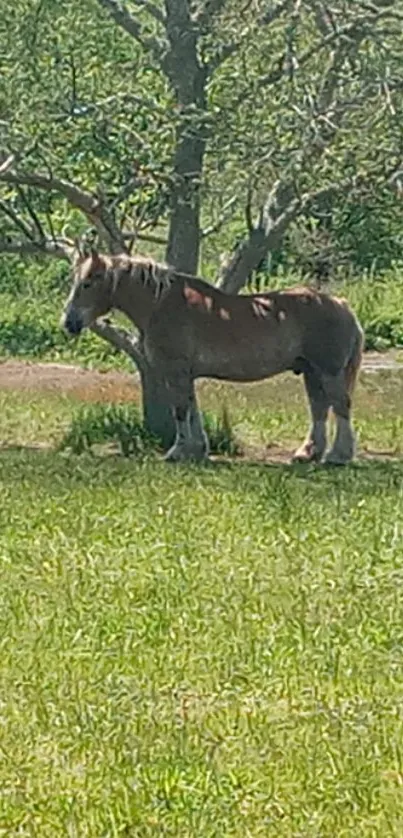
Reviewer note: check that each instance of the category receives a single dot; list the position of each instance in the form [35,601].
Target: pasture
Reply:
[201,651]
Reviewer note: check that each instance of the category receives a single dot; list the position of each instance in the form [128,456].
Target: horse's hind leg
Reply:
[313,449]
[200,441]
[343,448]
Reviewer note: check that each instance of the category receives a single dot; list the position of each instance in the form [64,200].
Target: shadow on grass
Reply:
[54,472]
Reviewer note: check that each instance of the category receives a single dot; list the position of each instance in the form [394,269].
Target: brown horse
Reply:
[192,330]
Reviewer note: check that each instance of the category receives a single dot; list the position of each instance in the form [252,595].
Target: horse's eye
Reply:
[87,284]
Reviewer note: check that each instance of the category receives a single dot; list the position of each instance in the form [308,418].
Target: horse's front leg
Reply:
[190,441]
[180,450]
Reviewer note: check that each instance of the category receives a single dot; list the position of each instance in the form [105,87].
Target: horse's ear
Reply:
[152,271]
[97,262]
[78,248]
[146,272]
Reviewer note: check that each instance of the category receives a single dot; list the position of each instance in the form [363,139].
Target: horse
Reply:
[192,329]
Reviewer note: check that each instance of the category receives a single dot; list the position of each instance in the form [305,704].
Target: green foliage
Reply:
[220,432]
[32,296]
[377,301]
[81,99]
[97,424]
[185,651]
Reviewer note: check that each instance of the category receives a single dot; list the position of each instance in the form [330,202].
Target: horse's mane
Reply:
[158,275]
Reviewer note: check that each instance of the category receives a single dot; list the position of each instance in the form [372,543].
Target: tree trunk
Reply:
[188,79]
[184,229]
[157,413]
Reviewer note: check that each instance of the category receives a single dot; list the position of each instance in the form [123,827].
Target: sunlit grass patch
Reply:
[196,651]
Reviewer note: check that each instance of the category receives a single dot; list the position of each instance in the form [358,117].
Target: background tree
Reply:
[194,125]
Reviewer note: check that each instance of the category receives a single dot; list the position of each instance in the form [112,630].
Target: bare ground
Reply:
[117,387]
[64,379]
[93,385]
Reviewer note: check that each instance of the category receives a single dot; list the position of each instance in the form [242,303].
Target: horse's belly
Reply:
[242,366]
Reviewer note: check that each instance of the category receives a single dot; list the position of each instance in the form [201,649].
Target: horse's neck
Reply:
[135,300]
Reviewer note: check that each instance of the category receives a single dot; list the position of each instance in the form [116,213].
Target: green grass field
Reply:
[202,651]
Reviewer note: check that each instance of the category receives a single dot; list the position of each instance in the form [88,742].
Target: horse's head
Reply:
[91,294]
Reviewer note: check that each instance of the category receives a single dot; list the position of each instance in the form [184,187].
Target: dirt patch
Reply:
[63,379]
[93,385]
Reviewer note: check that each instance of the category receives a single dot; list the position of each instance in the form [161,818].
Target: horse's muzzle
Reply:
[72,323]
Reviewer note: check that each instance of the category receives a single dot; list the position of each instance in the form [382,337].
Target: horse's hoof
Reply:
[307,454]
[334,460]
[178,455]
[175,455]
[199,456]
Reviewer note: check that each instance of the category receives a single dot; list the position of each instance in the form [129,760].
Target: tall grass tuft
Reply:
[99,424]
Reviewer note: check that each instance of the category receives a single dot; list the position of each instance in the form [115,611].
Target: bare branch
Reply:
[227,50]
[248,209]
[224,215]
[323,18]
[28,206]
[126,21]
[56,249]
[120,338]
[127,189]
[17,221]
[153,10]
[147,237]
[356,31]
[7,164]
[49,217]
[92,207]
[283,205]
[222,54]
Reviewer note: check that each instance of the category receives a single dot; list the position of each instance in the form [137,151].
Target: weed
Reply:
[221,433]
[96,424]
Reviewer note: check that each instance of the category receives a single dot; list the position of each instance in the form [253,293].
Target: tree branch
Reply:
[91,206]
[147,237]
[226,50]
[208,11]
[283,205]
[356,31]
[56,249]
[153,10]
[7,164]
[17,221]
[225,214]
[31,212]
[126,21]
[120,338]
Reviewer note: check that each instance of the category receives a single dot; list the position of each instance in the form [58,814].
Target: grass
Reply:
[97,424]
[212,651]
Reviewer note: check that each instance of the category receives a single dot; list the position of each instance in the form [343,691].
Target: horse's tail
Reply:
[353,364]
